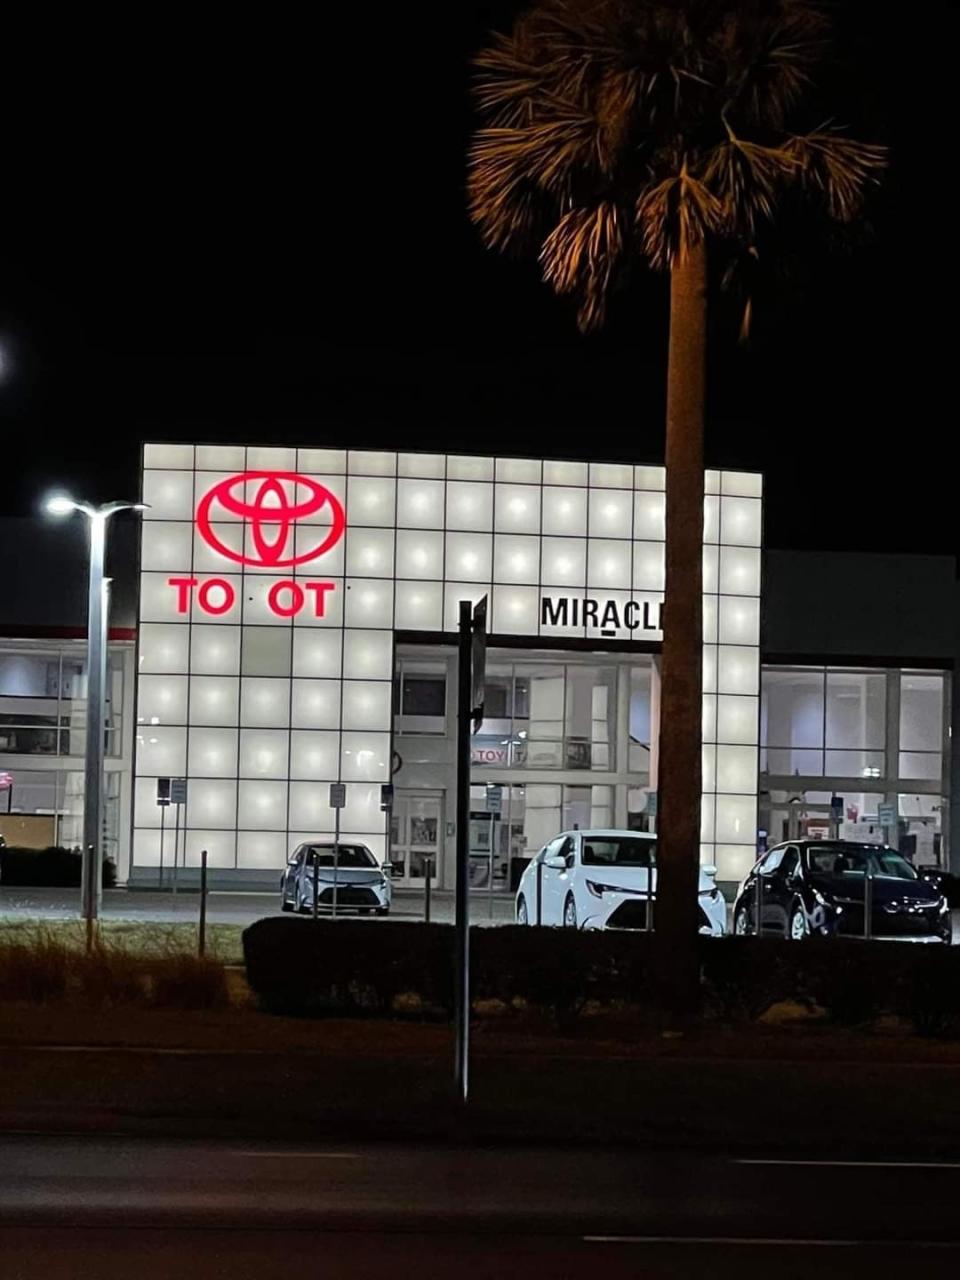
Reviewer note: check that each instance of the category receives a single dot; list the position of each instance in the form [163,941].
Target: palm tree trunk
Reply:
[679,776]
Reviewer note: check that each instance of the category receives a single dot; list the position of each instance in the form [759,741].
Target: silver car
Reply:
[348,870]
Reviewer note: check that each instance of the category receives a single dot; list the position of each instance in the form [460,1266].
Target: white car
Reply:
[602,880]
[348,870]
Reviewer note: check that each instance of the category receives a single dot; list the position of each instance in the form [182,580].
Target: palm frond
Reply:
[745,176]
[837,168]
[581,255]
[675,214]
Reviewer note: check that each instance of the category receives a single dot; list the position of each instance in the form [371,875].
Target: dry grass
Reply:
[46,965]
[133,937]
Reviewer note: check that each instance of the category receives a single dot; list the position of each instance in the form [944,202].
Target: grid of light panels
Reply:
[261,713]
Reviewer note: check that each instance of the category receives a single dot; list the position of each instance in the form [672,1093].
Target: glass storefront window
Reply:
[43,701]
[855,710]
[823,722]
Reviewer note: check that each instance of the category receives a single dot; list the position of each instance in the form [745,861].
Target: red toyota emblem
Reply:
[271,516]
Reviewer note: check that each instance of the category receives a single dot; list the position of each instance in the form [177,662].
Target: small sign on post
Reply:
[178,790]
[338,795]
[386,797]
[886,815]
[494,799]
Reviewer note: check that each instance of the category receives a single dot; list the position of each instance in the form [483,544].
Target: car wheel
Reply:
[522,911]
[569,913]
[798,928]
[740,925]
[285,905]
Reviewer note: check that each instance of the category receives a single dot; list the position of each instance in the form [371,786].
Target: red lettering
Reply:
[319,590]
[184,588]
[296,598]
[220,584]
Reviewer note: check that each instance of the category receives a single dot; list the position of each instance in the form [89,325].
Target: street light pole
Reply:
[97,631]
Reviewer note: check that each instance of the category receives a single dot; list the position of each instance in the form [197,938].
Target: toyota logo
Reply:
[271,516]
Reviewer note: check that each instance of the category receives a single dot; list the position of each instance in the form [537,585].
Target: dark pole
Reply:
[461,1069]
[202,941]
[426,890]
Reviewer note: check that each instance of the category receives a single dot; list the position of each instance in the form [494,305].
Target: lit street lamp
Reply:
[61,505]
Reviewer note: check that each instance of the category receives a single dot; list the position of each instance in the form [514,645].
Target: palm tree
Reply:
[624,132]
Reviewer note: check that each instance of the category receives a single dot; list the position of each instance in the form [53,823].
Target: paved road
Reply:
[105,1208]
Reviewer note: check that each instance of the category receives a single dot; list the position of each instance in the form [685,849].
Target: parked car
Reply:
[360,882]
[603,880]
[804,888]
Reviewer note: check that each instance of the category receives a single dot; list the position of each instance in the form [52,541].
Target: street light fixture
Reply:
[63,505]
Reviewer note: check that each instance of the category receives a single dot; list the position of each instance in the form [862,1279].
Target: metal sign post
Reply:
[178,797]
[163,801]
[494,807]
[338,798]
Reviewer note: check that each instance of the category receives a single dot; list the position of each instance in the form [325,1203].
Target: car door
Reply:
[291,877]
[556,879]
[780,891]
[765,891]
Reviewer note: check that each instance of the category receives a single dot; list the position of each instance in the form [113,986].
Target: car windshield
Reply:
[350,855]
[842,860]
[618,851]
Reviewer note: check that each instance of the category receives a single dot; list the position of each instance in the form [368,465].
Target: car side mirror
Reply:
[555,862]
[710,871]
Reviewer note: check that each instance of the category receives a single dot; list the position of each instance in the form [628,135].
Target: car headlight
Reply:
[713,894]
[598,889]
[944,906]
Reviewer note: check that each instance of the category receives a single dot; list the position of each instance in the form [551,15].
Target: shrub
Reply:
[52,868]
[742,977]
[186,981]
[35,971]
[929,996]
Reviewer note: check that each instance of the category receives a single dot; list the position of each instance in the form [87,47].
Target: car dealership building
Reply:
[292,624]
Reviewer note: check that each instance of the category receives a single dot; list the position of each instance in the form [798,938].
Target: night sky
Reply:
[257,232]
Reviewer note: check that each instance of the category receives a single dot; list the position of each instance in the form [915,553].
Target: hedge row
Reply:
[54,867]
[313,968]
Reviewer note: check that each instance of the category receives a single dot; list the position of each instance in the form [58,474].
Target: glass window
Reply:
[921,713]
[424,695]
[791,709]
[622,851]
[347,855]
[771,862]
[856,710]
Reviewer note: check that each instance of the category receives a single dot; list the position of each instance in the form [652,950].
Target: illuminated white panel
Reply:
[362,813]
[257,610]
[214,700]
[468,556]
[169,456]
[707,817]
[740,571]
[368,655]
[708,766]
[737,769]
[321,461]
[733,861]
[516,558]
[161,751]
[419,606]
[221,457]
[307,537]
[158,600]
[163,648]
[611,475]
[740,521]
[376,842]
[262,850]
[167,545]
[420,504]
[515,610]
[216,596]
[310,812]
[710,619]
[366,704]
[419,554]
[519,470]
[271,458]
[169,495]
[337,485]
[469,505]
[742,484]
[213,753]
[565,512]
[371,500]
[517,508]
[315,704]
[611,513]
[736,819]
[162,700]
[365,757]
[461,467]
[739,669]
[648,566]
[709,668]
[608,564]
[314,754]
[366,462]
[264,702]
[145,808]
[711,570]
[709,718]
[369,602]
[263,754]
[214,650]
[564,562]
[711,519]
[262,805]
[453,593]
[146,848]
[711,482]
[332,603]
[736,719]
[317,652]
[212,802]
[207,559]
[739,620]
[555,472]
[649,477]
[649,516]
[429,465]
[370,553]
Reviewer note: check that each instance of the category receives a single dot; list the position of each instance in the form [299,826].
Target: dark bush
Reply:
[54,868]
[743,977]
[929,994]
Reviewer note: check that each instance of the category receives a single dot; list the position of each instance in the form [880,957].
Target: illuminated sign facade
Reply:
[273,581]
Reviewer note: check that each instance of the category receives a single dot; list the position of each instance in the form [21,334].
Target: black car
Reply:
[817,887]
